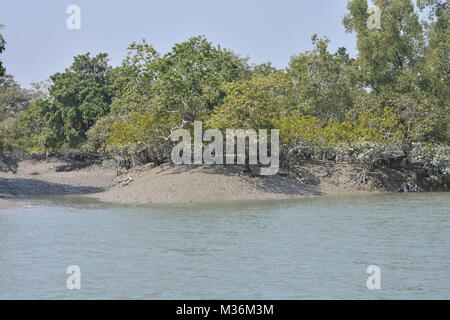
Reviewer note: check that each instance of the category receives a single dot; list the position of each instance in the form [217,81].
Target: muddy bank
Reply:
[52,178]
[7,204]
[197,184]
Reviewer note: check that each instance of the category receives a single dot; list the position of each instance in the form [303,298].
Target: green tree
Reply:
[188,80]
[29,130]
[179,87]
[2,48]
[324,82]
[389,55]
[7,163]
[79,97]
[263,69]
[13,99]
[134,80]
[255,103]
[435,69]
[405,64]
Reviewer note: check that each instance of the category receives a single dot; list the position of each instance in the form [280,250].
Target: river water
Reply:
[314,248]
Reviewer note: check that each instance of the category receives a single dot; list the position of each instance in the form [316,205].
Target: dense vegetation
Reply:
[388,105]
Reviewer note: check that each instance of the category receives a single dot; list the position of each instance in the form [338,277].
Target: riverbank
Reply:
[168,184]
[6,204]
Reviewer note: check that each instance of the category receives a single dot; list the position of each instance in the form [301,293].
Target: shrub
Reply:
[431,156]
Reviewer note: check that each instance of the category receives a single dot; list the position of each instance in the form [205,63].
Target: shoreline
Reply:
[8,204]
[178,185]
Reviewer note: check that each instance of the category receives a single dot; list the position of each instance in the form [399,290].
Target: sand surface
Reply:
[171,184]
[184,184]
[41,178]
[6,204]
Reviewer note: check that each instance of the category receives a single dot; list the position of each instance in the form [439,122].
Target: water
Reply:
[316,248]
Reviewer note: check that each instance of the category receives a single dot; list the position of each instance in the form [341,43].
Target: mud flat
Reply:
[171,184]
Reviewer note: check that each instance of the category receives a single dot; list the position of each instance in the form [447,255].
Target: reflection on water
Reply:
[302,249]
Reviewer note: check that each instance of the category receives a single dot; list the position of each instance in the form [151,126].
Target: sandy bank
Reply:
[192,184]
[42,178]
[200,184]
[6,204]
[184,184]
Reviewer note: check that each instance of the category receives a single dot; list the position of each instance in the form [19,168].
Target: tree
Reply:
[255,103]
[324,82]
[134,80]
[405,64]
[263,69]
[142,137]
[13,99]
[188,80]
[78,98]
[7,163]
[178,87]
[2,48]
[435,69]
[387,55]
[29,130]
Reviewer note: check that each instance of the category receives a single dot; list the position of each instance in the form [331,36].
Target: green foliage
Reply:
[386,56]
[296,128]
[99,134]
[134,80]
[382,127]
[13,99]
[324,82]
[326,105]
[435,67]
[29,130]
[405,64]
[140,137]
[79,97]
[137,128]
[376,126]
[189,79]
[254,103]
[263,69]
[2,48]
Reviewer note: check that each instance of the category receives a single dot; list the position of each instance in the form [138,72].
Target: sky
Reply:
[39,43]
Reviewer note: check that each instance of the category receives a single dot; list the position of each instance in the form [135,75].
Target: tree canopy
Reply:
[2,48]
[78,98]
[395,92]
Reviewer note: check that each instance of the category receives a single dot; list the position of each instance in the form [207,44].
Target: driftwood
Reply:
[126,181]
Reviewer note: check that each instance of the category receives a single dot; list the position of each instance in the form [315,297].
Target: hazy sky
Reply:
[39,43]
